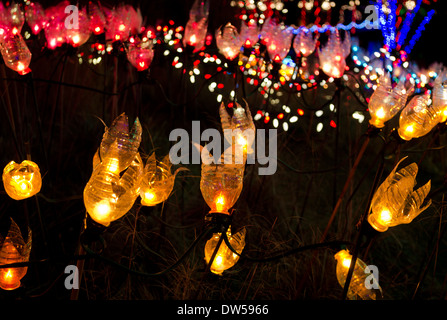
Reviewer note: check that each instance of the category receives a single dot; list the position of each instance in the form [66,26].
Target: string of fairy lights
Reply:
[258,63]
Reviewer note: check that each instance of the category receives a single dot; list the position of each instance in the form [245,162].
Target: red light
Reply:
[207,76]
[333,124]
[300,112]
[220,86]
[280,116]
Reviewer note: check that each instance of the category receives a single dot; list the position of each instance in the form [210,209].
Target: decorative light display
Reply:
[386,101]
[14,249]
[221,184]
[158,181]
[239,129]
[225,258]
[196,27]
[261,48]
[229,41]
[417,118]
[110,194]
[117,172]
[21,180]
[123,139]
[395,202]
[359,277]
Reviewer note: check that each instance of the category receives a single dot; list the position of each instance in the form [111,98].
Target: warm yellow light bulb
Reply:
[395,202]
[380,114]
[357,285]
[22,180]
[225,258]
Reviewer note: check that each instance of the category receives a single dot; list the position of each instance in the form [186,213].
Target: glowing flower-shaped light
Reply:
[125,140]
[78,36]
[395,202]
[333,54]
[359,277]
[140,54]
[225,258]
[249,34]
[305,42]
[277,39]
[15,53]
[440,96]
[221,183]
[22,180]
[196,27]
[55,30]
[158,181]
[35,17]
[97,18]
[122,21]
[111,192]
[13,249]
[228,41]
[417,118]
[238,129]
[386,101]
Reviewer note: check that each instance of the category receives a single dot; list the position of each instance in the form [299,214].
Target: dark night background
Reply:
[280,212]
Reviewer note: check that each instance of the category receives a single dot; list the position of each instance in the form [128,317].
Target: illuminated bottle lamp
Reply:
[333,55]
[22,180]
[305,42]
[249,34]
[278,40]
[417,118]
[239,129]
[140,55]
[221,185]
[111,192]
[97,18]
[224,258]
[13,249]
[197,25]
[35,17]
[126,140]
[440,96]
[78,36]
[15,53]
[357,285]
[158,181]
[228,41]
[386,101]
[395,202]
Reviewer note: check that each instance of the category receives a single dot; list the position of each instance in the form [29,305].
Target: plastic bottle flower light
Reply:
[440,96]
[78,36]
[239,129]
[417,118]
[395,202]
[158,181]
[125,140]
[221,183]
[35,17]
[22,180]
[333,54]
[386,101]
[140,54]
[357,285]
[249,34]
[109,193]
[277,39]
[13,249]
[225,258]
[305,42]
[229,41]
[197,25]
[117,172]
[13,48]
